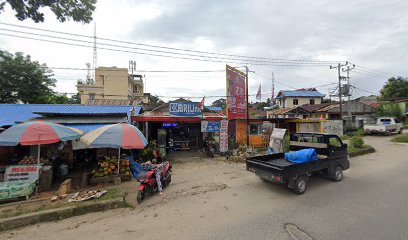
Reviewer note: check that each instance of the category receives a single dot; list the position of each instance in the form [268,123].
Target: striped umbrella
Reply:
[37,133]
[118,136]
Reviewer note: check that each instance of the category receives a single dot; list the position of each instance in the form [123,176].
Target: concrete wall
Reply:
[287,102]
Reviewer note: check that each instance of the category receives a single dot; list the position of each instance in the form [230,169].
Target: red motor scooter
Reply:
[148,182]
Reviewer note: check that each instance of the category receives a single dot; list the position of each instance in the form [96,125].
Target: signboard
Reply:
[236,99]
[21,173]
[278,133]
[210,126]
[224,136]
[169,124]
[184,109]
[332,126]
[276,141]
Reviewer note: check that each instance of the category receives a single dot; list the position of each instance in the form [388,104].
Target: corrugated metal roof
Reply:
[87,110]
[10,114]
[288,93]
[83,119]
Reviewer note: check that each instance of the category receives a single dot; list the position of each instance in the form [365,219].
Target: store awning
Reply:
[166,119]
[86,127]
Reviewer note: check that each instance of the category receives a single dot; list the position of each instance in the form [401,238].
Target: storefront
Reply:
[178,126]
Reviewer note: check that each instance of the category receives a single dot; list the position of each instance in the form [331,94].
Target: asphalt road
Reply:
[216,200]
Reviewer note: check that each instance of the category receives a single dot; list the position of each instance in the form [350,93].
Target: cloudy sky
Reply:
[371,34]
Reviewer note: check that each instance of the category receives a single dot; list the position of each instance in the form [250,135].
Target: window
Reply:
[92,96]
[295,101]
[312,101]
[335,142]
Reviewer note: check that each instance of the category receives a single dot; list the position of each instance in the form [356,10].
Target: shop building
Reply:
[179,125]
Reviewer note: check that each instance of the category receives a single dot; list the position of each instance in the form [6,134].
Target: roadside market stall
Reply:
[117,136]
[29,170]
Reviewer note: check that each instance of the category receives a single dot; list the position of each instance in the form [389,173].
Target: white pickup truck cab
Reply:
[385,125]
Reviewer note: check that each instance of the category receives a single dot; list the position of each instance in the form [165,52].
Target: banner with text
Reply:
[224,136]
[236,100]
[184,109]
[210,126]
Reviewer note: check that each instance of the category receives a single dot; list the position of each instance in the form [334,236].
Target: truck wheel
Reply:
[300,185]
[337,174]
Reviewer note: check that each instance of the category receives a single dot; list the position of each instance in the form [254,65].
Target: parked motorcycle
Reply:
[209,148]
[148,180]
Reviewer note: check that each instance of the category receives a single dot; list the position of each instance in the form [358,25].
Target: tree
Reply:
[220,103]
[77,10]
[23,79]
[389,110]
[395,88]
[154,99]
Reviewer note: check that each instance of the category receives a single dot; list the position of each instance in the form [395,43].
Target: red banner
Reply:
[236,100]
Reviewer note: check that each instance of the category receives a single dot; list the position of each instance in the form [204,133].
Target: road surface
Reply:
[217,200]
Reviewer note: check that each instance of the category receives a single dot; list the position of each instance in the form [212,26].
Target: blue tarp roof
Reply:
[212,108]
[288,93]
[10,114]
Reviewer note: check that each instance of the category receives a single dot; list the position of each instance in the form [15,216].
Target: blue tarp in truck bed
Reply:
[301,156]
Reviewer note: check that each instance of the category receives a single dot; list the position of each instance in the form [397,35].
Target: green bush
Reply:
[401,138]
[286,143]
[357,141]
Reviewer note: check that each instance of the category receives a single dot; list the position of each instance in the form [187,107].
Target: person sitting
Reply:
[156,156]
[157,167]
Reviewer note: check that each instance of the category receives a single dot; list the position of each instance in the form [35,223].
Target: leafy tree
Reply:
[77,10]
[75,99]
[220,103]
[395,88]
[24,79]
[154,99]
[389,110]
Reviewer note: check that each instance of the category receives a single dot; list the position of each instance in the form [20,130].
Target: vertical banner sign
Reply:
[236,100]
[224,136]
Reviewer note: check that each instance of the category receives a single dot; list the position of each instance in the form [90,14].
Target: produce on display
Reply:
[109,167]
[27,160]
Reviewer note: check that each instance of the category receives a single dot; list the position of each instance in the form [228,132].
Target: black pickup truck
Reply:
[332,160]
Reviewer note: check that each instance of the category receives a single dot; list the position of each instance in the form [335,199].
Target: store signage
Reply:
[210,126]
[224,136]
[21,173]
[169,125]
[224,126]
[236,99]
[184,109]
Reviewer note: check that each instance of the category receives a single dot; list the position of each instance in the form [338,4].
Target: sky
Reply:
[370,34]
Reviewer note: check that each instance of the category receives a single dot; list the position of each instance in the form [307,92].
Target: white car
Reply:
[385,125]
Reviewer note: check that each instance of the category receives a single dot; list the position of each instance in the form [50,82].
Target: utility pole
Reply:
[338,67]
[348,69]
[247,104]
[94,59]
[273,89]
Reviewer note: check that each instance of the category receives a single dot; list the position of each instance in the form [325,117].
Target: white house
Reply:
[290,99]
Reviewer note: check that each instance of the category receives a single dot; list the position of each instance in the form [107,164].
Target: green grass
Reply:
[112,193]
[345,137]
[401,138]
[351,149]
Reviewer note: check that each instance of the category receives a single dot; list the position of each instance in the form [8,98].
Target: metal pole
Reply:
[247,107]
[38,156]
[340,95]
[118,160]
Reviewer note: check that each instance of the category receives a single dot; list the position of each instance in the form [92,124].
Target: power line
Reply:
[284,84]
[171,48]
